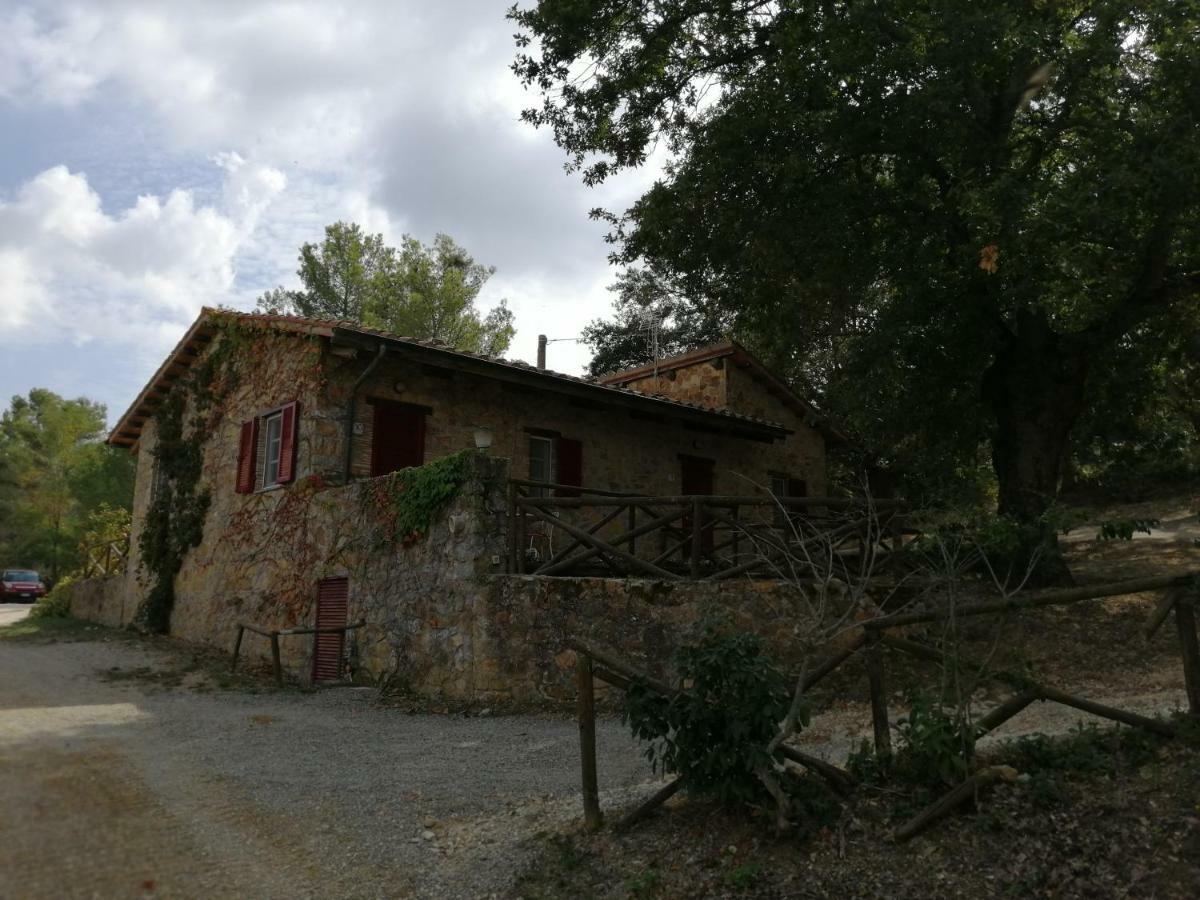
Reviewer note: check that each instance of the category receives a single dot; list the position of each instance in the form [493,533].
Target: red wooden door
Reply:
[696,475]
[333,598]
[398,439]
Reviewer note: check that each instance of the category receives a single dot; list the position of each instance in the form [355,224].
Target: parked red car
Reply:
[21,586]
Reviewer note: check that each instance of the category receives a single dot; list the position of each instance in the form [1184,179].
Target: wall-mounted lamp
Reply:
[483,438]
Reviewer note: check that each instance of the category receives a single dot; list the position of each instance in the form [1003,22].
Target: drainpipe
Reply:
[354,410]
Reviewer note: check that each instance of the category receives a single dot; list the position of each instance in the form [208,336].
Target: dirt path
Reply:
[124,790]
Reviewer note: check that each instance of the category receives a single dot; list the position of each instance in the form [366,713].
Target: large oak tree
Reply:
[964,208]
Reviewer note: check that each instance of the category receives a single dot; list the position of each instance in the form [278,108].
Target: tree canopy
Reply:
[415,290]
[56,477]
[947,220]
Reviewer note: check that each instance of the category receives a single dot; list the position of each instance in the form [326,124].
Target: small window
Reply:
[267,449]
[273,426]
[541,463]
[783,486]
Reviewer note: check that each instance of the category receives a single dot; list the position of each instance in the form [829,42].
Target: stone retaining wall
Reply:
[440,619]
[98,599]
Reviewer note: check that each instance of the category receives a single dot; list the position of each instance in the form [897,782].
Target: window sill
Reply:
[270,487]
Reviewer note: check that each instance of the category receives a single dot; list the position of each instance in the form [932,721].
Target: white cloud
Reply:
[68,270]
[401,115]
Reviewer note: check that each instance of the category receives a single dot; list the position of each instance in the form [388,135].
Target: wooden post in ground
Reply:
[879,712]
[275,664]
[697,529]
[512,528]
[1189,649]
[587,740]
[522,542]
[632,527]
[237,645]
[661,796]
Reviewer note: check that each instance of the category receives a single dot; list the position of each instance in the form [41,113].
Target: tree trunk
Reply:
[1035,389]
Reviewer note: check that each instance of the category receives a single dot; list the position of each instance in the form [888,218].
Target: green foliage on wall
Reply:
[407,501]
[174,522]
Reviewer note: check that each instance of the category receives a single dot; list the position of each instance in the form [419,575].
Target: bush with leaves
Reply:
[56,604]
[936,746]
[715,733]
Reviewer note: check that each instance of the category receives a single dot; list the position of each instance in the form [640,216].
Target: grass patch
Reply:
[57,629]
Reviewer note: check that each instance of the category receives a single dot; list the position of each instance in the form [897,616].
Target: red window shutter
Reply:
[570,465]
[398,439]
[287,442]
[247,448]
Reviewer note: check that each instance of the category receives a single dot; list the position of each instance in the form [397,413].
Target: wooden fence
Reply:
[565,530]
[106,558]
[1180,596]
[274,634]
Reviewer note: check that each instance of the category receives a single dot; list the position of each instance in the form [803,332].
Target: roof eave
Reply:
[545,380]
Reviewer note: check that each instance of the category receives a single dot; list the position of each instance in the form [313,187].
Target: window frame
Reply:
[265,423]
[551,443]
[780,515]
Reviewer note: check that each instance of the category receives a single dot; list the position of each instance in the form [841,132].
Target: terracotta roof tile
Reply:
[126,433]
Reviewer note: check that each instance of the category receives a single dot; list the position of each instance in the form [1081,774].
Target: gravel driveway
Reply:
[125,790]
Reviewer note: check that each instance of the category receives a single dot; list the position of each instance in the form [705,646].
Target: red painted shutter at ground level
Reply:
[333,600]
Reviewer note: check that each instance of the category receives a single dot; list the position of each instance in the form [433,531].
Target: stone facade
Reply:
[440,614]
[621,451]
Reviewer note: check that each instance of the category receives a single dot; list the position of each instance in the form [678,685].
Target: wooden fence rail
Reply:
[274,634]
[105,558]
[565,530]
[1180,597]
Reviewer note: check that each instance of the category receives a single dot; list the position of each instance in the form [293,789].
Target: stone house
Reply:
[293,423]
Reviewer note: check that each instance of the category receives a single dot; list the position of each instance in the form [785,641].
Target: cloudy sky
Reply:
[159,156]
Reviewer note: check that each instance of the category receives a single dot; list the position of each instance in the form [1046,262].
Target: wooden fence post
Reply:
[697,530]
[512,528]
[633,526]
[587,740]
[1189,649]
[879,711]
[275,658]
[237,645]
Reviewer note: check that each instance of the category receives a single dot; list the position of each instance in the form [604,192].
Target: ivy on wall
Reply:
[406,502]
[281,525]
[187,418]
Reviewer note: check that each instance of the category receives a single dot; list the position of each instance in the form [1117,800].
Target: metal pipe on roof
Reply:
[353,410]
[541,356]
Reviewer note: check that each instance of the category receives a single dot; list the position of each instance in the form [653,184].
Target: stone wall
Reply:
[702,382]
[514,634]
[98,600]
[436,615]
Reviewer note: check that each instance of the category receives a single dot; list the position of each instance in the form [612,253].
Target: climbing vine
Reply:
[174,522]
[406,502]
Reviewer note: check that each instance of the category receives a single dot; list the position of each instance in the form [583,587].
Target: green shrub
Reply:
[56,604]
[1087,748]
[715,734]
[935,748]
[936,744]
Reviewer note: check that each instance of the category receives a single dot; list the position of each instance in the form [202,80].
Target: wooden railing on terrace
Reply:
[565,530]
[106,558]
